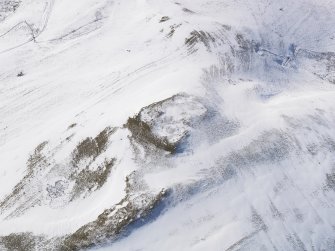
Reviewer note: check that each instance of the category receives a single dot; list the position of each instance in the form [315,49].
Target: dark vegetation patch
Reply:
[37,159]
[142,132]
[199,37]
[91,180]
[330,180]
[69,137]
[20,242]
[112,222]
[188,11]
[86,179]
[237,55]
[173,30]
[155,128]
[26,241]
[92,147]
[243,42]
[164,19]
[20,74]
[72,126]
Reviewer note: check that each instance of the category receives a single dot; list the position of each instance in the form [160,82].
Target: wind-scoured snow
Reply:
[167,125]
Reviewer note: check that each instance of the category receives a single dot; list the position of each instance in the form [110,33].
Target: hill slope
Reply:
[159,125]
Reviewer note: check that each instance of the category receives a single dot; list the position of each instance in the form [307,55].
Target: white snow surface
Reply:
[257,168]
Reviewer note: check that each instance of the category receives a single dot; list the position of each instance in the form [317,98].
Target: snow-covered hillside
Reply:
[167,125]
